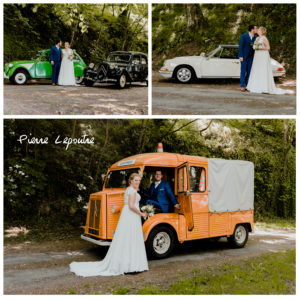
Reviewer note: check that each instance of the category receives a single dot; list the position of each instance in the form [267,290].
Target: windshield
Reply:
[119,57]
[119,178]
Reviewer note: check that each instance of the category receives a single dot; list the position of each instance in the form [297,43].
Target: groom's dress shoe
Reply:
[243,89]
[53,83]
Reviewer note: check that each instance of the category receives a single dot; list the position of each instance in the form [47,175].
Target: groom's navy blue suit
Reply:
[55,56]
[246,52]
[161,196]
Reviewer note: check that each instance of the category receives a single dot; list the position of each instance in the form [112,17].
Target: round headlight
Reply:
[91,65]
[10,65]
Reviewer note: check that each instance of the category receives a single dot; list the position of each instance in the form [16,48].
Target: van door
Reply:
[184,195]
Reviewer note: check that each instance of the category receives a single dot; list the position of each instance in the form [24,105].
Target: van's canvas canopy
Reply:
[230,185]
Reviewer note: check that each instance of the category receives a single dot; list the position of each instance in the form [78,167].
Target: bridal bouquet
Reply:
[71,56]
[257,45]
[149,208]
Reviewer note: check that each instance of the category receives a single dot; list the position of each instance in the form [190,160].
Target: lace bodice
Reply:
[130,190]
[66,53]
[260,42]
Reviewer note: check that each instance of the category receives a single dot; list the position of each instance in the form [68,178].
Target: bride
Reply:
[261,77]
[127,251]
[66,73]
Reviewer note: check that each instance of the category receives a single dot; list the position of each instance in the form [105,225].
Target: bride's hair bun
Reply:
[132,176]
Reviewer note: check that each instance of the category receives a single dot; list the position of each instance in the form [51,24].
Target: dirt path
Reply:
[41,98]
[219,97]
[44,268]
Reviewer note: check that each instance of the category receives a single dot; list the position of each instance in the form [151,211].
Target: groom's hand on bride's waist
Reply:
[241,58]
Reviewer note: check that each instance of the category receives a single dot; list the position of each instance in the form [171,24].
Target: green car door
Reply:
[43,67]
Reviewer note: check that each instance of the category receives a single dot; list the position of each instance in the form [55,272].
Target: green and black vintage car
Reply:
[19,72]
[121,67]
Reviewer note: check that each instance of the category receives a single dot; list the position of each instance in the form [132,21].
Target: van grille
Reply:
[95,211]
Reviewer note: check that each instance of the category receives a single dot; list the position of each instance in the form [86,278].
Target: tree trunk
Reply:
[143,132]
[74,128]
[103,148]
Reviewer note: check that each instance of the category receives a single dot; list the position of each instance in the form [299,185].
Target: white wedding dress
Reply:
[66,73]
[127,251]
[261,77]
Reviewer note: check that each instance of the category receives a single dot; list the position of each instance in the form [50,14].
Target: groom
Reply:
[55,59]
[161,194]
[246,54]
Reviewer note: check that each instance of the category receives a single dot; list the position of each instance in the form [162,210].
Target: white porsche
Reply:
[222,62]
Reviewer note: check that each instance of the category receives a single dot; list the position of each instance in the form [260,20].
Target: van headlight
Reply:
[10,65]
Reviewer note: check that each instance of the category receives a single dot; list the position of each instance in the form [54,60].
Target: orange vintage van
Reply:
[223,206]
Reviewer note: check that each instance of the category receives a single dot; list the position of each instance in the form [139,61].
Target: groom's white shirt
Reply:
[251,36]
[157,183]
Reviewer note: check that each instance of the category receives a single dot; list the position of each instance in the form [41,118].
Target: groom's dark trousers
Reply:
[246,52]
[55,56]
[246,66]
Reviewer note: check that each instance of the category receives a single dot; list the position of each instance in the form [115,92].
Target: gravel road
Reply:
[218,97]
[41,98]
[30,271]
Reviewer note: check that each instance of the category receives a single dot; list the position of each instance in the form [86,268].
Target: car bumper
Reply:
[166,74]
[5,76]
[94,241]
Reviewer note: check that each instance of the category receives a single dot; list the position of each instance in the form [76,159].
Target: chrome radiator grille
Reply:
[95,212]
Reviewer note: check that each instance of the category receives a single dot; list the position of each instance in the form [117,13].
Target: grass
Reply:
[41,231]
[275,223]
[271,274]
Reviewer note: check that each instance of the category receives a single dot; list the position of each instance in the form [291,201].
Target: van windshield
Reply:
[119,178]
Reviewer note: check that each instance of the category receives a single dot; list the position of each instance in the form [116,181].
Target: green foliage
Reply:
[120,291]
[50,183]
[189,29]
[270,274]
[92,29]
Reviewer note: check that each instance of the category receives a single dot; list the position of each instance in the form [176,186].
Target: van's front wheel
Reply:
[240,236]
[161,242]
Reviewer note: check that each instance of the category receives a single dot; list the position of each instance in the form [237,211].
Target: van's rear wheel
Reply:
[239,237]
[161,242]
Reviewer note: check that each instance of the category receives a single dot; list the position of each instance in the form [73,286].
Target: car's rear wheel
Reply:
[240,236]
[20,77]
[79,80]
[88,82]
[161,242]
[121,82]
[184,74]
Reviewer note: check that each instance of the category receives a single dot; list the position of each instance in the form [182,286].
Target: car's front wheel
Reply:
[20,77]
[161,242]
[184,74]
[121,81]
[79,80]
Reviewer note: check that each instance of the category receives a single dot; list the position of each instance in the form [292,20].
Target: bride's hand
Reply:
[144,215]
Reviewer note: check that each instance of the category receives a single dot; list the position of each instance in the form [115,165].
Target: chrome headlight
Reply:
[91,65]
[10,65]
